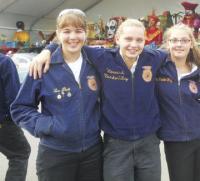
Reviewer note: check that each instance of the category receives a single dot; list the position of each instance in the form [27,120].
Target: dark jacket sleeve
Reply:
[52,47]
[9,84]
[24,109]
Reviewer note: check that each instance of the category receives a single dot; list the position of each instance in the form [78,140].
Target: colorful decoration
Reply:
[96,33]
[100,34]
[153,32]
[21,36]
[91,33]
[177,17]
[191,18]
[190,14]
[165,20]
[100,29]
[112,25]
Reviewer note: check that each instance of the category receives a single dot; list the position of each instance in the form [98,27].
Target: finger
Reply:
[39,70]
[35,71]
[46,66]
[30,69]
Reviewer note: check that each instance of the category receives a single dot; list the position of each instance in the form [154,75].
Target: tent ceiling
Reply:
[37,9]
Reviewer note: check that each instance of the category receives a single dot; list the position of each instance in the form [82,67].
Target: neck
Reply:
[129,61]
[71,57]
[182,66]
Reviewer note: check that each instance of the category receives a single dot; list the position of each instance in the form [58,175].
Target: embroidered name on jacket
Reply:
[62,92]
[164,79]
[115,75]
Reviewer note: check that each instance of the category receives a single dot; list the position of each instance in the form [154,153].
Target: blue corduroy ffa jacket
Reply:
[179,104]
[70,115]
[9,85]
[129,103]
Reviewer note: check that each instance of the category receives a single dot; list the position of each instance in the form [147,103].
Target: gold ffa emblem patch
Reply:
[147,73]
[92,84]
[193,87]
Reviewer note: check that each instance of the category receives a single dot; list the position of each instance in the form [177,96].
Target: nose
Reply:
[134,43]
[179,43]
[72,35]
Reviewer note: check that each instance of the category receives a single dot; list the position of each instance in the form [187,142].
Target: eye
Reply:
[128,39]
[66,31]
[112,27]
[173,40]
[139,40]
[184,41]
[79,30]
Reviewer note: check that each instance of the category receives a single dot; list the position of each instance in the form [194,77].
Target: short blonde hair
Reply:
[129,22]
[71,17]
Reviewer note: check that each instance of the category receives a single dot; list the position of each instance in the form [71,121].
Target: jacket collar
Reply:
[193,73]
[57,56]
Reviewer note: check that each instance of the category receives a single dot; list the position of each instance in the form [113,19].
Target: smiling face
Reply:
[72,39]
[71,31]
[131,39]
[179,44]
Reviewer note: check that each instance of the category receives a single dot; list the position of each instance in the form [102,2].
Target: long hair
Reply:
[194,53]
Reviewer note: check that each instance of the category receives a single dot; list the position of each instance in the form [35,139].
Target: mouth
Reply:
[133,51]
[179,50]
[73,44]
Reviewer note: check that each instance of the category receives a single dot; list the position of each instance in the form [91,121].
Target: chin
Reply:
[75,50]
[133,56]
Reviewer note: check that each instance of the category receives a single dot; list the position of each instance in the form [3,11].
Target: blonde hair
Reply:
[129,22]
[194,53]
[71,17]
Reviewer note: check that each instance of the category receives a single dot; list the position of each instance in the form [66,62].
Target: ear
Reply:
[58,34]
[117,38]
[167,44]
[85,37]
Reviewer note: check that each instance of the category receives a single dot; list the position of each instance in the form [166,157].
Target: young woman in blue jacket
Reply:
[130,114]
[68,126]
[178,85]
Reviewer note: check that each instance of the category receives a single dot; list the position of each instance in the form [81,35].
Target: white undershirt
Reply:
[180,76]
[134,66]
[76,67]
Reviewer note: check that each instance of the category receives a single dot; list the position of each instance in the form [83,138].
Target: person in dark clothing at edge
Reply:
[129,103]
[13,143]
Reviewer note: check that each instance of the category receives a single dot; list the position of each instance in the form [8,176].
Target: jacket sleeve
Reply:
[162,55]
[10,80]
[94,54]
[52,47]
[24,109]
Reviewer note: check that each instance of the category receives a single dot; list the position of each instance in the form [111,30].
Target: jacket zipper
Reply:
[132,93]
[132,89]
[80,107]
[82,119]
[181,105]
